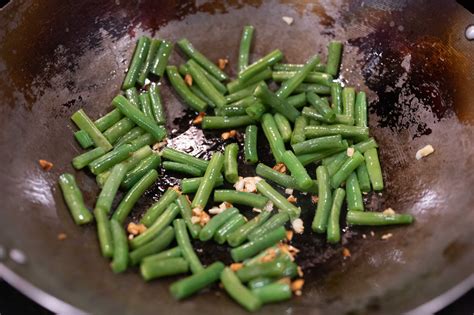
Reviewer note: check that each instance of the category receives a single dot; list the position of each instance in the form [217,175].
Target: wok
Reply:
[411,57]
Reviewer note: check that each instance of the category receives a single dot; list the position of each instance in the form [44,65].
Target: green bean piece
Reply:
[85,158]
[238,236]
[313,114]
[183,90]
[283,180]
[207,184]
[323,209]
[238,291]
[74,199]
[145,105]
[182,238]
[244,49]
[230,162]
[256,110]
[120,258]
[187,214]
[258,244]
[181,168]
[250,144]
[295,79]
[346,169]
[83,138]
[273,269]
[133,134]
[295,67]
[354,195]
[237,85]
[360,113]
[222,122]
[241,198]
[275,292]
[277,146]
[191,185]
[363,177]
[284,126]
[312,77]
[337,163]
[200,94]
[153,247]
[322,106]
[153,213]
[260,65]
[297,135]
[257,259]
[373,168]
[169,253]
[278,104]
[143,167]
[208,231]
[183,70]
[152,269]
[243,93]
[228,227]
[273,223]
[348,102]
[334,57]
[278,200]
[306,159]
[192,284]
[297,101]
[156,104]
[333,229]
[160,62]
[318,144]
[336,97]
[231,111]
[313,87]
[108,160]
[136,63]
[111,186]
[150,57]
[377,218]
[297,170]
[108,120]
[344,120]
[132,96]
[259,282]
[181,157]
[363,146]
[144,139]
[104,233]
[118,130]
[206,86]
[85,123]
[157,228]
[343,130]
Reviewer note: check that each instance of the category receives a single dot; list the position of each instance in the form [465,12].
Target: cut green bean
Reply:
[344,120]
[108,120]
[243,93]
[259,282]
[161,241]
[354,195]
[297,170]
[297,135]
[85,123]
[313,87]
[111,186]
[237,85]
[74,199]
[312,77]
[120,258]
[182,238]
[284,126]
[231,111]
[260,65]
[222,122]
[279,104]
[208,231]
[278,200]
[343,130]
[181,168]
[238,236]
[273,223]
[283,180]
[133,134]
[161,59]
[154,212]
[83,138]
[207,184]
[86,158]
[297,101]
[377,218]
[336,163]
[119,129]
[143,167]
[244,49]
[156,104]
[235,222]
[374,169]
[256,110]
[152,269]
[191,185]
[334,57]
[206,86]
[273,269]
[250,144]
[147,64]
[346,169]
[318,145]
[348,103]
[230,162]
[321,106]
[275,292]
[295,79]
[320,220]
[183,90]
[181,157]
[241,198]
[333,229]
[187,214]
[277,146]
[183,69]
[104,233]
[169,253]
[199,93]
[132,96]
[136,63]
[363,146]
[144,139]
[363,177]
[336,97]
[145,105]
[306,159]
[111,158]
[360,113]
[239,292]
[313,114]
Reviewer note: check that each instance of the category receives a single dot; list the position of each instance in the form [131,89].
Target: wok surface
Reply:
[59,56]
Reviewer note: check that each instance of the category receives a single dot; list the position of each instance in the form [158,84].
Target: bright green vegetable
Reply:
[223,122]
[297,170]
[85,123]
[150,57]
[181,157]
[363,177]
[244,50]
[277,103]
[374,169]
[159,207]
[275,292]
[187,214]
[274,222]
[318,145]
[278,200]
[228,227]
[297,135]
[298,77]
[360,114]
[209,179]
[104,232]
[83,138]
[136,63]
[191,185]
[237,85]
[133,134]
[250,144]
[111,186]
[150,249]
[336,97]
[151,269]
[354,195]
[320,221]
[238,292]
[277,146]
[85,158]
[333,229]
[205,85]
[144,166]
[169,253]
[322,106]
[183,90]
[346,169]
[238,236]
[260,65]
[184,243]
[156,104]
[74,200]
[343,130]
[231,171]
[181,168]
[208,231]
[377,218]
[111,158]
[120,257]
[284,126]
[281,179]
[161,59]
[241,198]
[334,57]
[145,105]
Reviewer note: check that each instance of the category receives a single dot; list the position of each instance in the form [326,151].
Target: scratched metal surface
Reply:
[59,56]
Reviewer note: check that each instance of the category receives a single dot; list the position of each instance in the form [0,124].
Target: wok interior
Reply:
[410,72]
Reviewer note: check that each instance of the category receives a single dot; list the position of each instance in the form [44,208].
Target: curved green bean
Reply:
[111,186]
[74,199]
[244,49]
[320,220]
[104,232]
[333,229]
[152,269]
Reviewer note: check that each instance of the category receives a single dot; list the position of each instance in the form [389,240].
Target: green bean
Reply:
[346,169]
[241,198]
[273,269]
[74,199]
[85,123]
[133,134]
[277,103]
[297,101]
[318,145]
[320,220]
[238,291]
[275,292]
[256,110]
[238,236]
[191,185]
[273,223]
[343,130]
[231,111]
[210,177]
[120,258]
[363,146]
[181,168]
[278,200]
[184,243]
[333,229]
[336,164]
[312,113]
[283,126]
[246,101]
[161,59]
[260,65]
[136,63]
[258,259]
[354,195]
[258,244]
[145,105]
[85,158]
[374,169]
[313,87]
[243,93]
[283,180]
[377,218]
[157,228]
[208,231]
[152,214]
[348,101]
[306,159]
[360,113]
[183,90]
[108,120]
[237,85]
[200,94]
[183,69]
[206,86]
[363,177]
[104,232]
[321,106]
[312,77]
[83,138]
[295,79]
[153,247]
[118,130]
[277,146]
[297,170]
[192,284]
[334,57]
[152,269]
[181,157]
[143,167]
[297,135]
[156,104]
[259,282]
[144,139]
[187,214]
[244,49]
[235,222]
[250,144]
[230,162]
[344,120]
[111,186]
[169,253]
[109,159]
[132,96]
[222,122]
[336,97]
[295,67]
[150,57]
[314,122]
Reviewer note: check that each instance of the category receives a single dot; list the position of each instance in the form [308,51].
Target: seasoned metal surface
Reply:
[412,59]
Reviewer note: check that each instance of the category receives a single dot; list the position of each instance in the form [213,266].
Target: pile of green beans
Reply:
[310,119]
